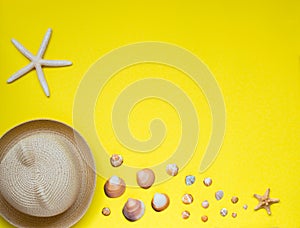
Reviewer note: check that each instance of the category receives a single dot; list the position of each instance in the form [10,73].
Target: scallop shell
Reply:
[160,201]
[114,187]
[172,169]
[133,209]
[219,194]
[145,178]
[106,211]
[116,160]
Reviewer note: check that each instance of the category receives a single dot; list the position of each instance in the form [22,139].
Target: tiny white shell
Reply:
[219,194]
[172,169]
[190,179]
[223,212]
[185,214]
[205,204]
[207,181]
[187,199]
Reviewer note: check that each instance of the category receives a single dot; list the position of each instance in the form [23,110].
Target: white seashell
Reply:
[205,204]
[187,199]
[219,194]
[190,179]
[116,160]
[133,209]
[185,214]
[207,181]
[223,212]
[160,201]
[145,178]
[114,187]
[172,169]
[245,206]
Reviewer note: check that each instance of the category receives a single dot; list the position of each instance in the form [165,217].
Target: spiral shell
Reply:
[133,209]
[114,187]
[145,178]
[160,201]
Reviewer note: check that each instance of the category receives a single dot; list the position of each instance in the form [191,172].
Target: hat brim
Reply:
[87,171]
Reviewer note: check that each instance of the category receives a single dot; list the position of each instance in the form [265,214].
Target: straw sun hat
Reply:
[47,176]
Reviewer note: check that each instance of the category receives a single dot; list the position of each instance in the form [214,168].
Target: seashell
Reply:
[116,160]
[114,187]
[245,206]
[219,194]
[145,178]
[160,201]
[234,199]
[207,181]
[187,199]
[205,204]
[190,179]
[133,209]
[106,211]
[234,214]
[172,169]
[185,214]
[223,212]
[204,218]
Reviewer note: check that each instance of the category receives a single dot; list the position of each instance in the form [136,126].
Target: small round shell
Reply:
[160,201]
[204,218]
[207,181]
[133,209]
[205,204]
[172,169]
[114,187]
[223,212]
[185,214]
[116,160]
[234,199]
[219,195]
[106,211]
[234,214]
[245,206]
[145,178]
[187,199]
[190,179]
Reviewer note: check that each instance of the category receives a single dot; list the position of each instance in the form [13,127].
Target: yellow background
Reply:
[253,51]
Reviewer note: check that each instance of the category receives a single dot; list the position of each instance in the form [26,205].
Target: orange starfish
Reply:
[265,201]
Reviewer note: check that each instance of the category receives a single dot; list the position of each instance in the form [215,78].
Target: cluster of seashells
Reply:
[134,209]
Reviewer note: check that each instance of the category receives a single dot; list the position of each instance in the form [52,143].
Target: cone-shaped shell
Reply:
[133,209]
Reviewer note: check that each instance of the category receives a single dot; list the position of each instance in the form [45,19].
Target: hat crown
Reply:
[38,175]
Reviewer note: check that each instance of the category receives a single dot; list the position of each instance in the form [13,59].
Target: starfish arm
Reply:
[55,63]
[42,79]
[21,72]
[44,44]
[23,50]
[257,196]
[274,200]
[268,209]
[258,206]
[267,193]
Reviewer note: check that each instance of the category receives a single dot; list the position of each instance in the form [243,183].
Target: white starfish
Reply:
[37,62]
